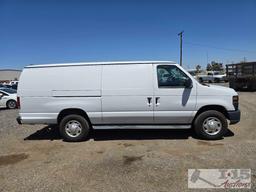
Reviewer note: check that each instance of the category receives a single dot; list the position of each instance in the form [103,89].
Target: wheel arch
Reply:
[218,108]
[70,111]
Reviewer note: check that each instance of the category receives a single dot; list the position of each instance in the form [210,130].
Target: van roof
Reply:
[98,63]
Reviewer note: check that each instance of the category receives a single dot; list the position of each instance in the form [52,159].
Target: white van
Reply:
[123,95]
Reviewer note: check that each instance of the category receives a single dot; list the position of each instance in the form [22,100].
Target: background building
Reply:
[7,75]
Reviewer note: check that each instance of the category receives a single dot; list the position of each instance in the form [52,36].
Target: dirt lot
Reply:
[34,158]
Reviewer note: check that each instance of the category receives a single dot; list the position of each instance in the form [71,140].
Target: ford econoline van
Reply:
[79,97]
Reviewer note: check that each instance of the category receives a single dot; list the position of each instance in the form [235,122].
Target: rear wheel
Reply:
[210,125]
[74,128]
[11,104]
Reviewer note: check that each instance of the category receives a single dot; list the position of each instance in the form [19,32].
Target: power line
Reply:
[214,47]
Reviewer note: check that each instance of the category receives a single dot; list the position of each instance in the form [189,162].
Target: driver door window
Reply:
[170,76]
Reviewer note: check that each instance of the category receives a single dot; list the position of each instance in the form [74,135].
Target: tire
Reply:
[216,80]
[219,123]
[79,131]
[11,104]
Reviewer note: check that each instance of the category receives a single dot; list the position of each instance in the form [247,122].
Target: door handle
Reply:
[149,101]
[157,101]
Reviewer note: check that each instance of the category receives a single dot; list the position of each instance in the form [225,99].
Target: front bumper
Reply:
[18,119]
[234,116]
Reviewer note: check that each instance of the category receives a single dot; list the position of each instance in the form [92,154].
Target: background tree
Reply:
[198,67]
[209,67]
[214,66]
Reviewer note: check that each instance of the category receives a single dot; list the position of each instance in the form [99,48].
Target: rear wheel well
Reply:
[218,108]
[72,111]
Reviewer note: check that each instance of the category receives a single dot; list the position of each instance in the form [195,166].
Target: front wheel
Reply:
[11,104]
[210,125]
[74,128]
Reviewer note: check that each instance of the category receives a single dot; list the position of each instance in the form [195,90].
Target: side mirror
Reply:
[188,83]
[1,95]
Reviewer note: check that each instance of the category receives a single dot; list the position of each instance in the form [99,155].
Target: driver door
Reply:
[173,102]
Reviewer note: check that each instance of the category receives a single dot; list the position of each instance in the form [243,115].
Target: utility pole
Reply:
[207,59]
[180,34]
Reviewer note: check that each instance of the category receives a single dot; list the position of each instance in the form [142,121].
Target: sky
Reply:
[60,31]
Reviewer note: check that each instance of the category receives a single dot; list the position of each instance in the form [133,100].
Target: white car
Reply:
[212,76]
[8,98]
[123,95]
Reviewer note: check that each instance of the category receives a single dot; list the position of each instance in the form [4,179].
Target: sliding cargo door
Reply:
[127,94]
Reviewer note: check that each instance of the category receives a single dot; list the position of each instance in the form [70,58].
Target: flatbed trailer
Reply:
[242,76]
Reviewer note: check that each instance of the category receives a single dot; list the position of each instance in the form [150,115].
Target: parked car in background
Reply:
[123,95]
[13,82]
[14,86]
[8,98]
[212,76]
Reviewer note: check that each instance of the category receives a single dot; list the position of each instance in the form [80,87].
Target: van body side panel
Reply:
[125,93]
[45,92]
[46,109]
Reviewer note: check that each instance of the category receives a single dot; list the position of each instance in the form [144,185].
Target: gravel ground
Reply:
[34,158]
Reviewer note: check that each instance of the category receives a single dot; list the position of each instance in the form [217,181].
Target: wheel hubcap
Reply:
[11,104]
[73,128]
[212,126]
